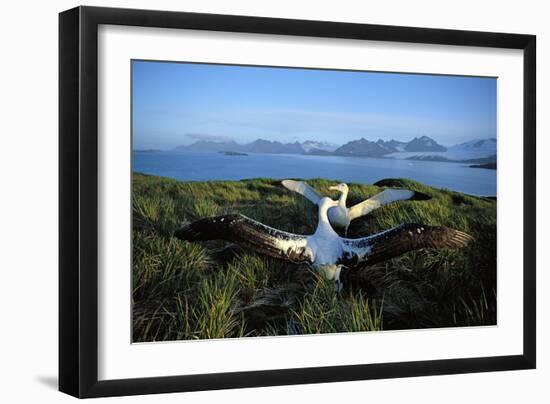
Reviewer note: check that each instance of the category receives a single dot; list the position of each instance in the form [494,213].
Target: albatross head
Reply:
[340,188]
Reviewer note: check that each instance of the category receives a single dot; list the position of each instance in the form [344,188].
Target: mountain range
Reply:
[473,151]
[419,148]
[260,146]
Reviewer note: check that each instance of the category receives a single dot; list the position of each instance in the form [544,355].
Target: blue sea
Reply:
[189,166]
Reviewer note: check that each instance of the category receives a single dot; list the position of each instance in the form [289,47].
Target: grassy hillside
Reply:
[214,290]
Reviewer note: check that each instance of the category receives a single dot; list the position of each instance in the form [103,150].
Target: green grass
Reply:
[209,290]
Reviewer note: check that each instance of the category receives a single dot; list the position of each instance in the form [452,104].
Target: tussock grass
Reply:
[211,290]
[323,311]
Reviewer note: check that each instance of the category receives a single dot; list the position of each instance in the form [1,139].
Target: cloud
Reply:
[209,137]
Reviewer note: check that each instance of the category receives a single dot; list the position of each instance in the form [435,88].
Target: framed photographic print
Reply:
[251,201]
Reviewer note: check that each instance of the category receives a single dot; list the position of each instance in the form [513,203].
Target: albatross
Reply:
[340,215]
[324,251]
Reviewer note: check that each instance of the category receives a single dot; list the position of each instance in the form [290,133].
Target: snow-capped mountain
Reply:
[473,149]
[361,147]
[424,144]
[479,150]
[392,146]
[364,147]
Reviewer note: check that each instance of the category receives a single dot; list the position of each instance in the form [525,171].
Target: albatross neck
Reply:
[343,198]
[324,223]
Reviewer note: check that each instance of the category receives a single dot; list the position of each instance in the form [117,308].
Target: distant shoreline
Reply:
[232,153]
[484,161]
[488,166]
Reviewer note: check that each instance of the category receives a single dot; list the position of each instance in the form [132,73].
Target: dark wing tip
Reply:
[185,232]
[420,196]
[391,182]
[210,228]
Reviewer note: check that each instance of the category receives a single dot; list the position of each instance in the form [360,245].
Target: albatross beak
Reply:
[334,188]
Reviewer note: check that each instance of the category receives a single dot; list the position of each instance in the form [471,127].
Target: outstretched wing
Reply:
[251,234]
[399,240]
[303,189]
[383,198]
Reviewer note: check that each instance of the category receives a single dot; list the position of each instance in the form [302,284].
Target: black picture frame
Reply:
[78,200]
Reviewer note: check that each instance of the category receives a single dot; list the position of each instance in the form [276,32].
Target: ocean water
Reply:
[187,166]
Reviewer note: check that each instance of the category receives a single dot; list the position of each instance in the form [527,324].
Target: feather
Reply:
[383,198]
[399,240]
[248,233]
[303,189]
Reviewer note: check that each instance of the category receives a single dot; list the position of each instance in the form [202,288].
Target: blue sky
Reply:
[180,103]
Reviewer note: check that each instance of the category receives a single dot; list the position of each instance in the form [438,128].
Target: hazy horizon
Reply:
[180,103]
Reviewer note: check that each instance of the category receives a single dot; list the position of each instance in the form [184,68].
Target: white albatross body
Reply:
[325,244]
